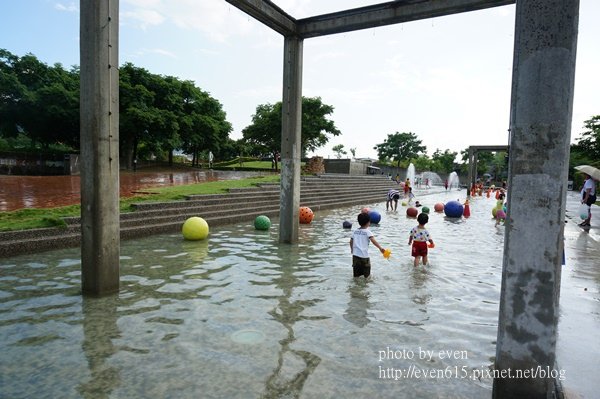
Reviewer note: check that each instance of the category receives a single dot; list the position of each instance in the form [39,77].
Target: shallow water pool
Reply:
[240,316]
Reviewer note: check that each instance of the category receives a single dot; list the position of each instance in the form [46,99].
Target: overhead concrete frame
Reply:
[540,124]
[472,161]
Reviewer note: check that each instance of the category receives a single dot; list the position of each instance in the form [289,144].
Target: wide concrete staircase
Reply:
[240,204]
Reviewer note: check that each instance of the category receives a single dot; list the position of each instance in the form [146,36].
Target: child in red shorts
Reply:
[418,238]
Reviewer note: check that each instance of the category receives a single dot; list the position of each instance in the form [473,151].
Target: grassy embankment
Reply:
[51,217]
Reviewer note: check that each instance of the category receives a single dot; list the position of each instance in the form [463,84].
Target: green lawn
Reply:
[50,217]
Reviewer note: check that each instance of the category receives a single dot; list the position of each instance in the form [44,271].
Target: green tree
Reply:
[39,101]
[353,152]
[443,161]
[264,133]
[422,163]
[339,150]
[588,144]
[400,146]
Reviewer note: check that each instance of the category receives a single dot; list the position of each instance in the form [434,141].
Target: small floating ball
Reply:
[404,203]
[346,224]
[365,210]
[453,209]
[375,217]
[412,212]
[439,207]
[262,222]
[195,228]
[306,215]
[425,209]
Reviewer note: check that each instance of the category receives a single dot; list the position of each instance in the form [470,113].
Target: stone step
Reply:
[244,204]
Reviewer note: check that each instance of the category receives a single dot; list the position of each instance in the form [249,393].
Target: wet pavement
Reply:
[18,192]
[578,345]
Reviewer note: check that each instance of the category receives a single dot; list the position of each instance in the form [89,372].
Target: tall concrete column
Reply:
[290,139]
[99,27]
[541,111]
[472,172]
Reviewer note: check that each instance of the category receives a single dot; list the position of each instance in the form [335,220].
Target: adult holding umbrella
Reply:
[588,193]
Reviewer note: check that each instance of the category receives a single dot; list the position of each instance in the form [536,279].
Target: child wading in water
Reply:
[359,246]
[418,238]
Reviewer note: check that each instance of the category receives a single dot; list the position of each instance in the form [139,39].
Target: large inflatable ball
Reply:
[306,215]
[453,209]
[425,209]
[412,212]
[439,207]
[347,224]
[262,222]
[375,217]
[195,228]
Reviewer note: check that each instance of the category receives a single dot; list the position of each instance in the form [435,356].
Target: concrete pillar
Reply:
[99,27]
[541,110]
[471,178]
[290,139]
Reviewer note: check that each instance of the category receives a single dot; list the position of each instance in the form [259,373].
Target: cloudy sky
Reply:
[446,79]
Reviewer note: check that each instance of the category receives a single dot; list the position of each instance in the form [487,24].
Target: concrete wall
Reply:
[346,166]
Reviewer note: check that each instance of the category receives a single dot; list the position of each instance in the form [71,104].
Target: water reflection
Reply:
[99,331]
[294,366]
[17,192]
[239,315]
[358,305]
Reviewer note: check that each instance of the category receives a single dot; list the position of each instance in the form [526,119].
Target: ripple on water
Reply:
[259,318]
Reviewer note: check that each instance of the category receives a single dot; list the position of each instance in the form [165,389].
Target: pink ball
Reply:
[439,207]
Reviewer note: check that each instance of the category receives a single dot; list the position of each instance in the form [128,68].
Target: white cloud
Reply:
[217,20]
[158,51]
[71,7]
[143,18]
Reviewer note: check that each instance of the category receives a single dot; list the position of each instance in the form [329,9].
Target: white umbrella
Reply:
[590,170]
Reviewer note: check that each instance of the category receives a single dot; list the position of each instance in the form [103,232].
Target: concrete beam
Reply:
[392,12]
[291,140]
[540,126]
[99,131]
[268,13]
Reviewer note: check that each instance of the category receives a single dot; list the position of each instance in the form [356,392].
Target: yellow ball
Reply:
[195,228]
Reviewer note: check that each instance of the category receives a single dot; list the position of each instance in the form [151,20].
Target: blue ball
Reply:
[375,217]
[347,224]
[453,209]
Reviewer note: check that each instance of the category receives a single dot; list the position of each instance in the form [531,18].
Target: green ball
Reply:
[262,223]
[425,209]
[195,228]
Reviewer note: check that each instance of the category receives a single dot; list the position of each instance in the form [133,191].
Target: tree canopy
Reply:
[264,133]
[400,146]
[158,114]
[588,145]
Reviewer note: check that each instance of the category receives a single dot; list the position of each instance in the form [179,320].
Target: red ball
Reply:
[439,207]
[412,212]
[306,215]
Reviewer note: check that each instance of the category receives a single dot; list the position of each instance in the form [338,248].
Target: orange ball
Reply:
[439,207]
[306,215]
